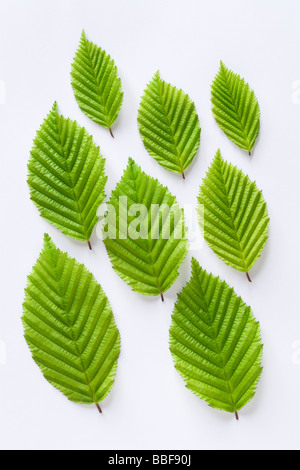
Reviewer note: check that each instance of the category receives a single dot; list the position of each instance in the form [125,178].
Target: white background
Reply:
[149,406]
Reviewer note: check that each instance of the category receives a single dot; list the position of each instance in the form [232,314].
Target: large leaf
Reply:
[169,125]
[149,243]
[96,84]
[66,176]
[70,328]
[235,108]
[235,215]
[215,342]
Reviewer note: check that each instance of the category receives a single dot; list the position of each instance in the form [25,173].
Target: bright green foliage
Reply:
[215,342]
[66,176]
[169,125]
[96,84]
[149,243]
[70,328]
[235,215]
[235,108]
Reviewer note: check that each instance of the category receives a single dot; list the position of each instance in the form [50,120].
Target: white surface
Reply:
[149,406]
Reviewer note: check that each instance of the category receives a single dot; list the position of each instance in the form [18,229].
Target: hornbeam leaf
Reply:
[169,125]
[235,215]
[147,243]
[215,342]
[96,84]
[66,176]
[70,328]
[235,108]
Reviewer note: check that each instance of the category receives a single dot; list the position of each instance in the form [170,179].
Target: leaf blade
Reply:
[235,108]
[148,263]
[69,327]
[95,82]
[169,125]
[66,176]
[215,342]
[235,215]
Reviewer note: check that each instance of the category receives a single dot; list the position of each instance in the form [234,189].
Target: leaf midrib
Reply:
[235,231]
[65,310]
[179,156]
[218,347]
[148,251]
[97,84]
[68,173]
[237,111]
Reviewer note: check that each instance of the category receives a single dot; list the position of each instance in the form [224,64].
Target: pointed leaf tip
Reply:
[195,264]
[131,161]
[47,238]
[54,107]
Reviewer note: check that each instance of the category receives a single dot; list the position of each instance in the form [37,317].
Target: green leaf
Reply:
[215,342]
[96,84]
[235,215]
[66,176]
[70,328]
[149,242]
[169,125]
[235,108]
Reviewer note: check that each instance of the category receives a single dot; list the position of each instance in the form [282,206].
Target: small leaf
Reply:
[169,125]
[66,176]
[215,342]
[147,258]
[70,328]
[235,108]
[96,84]
[235,215]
